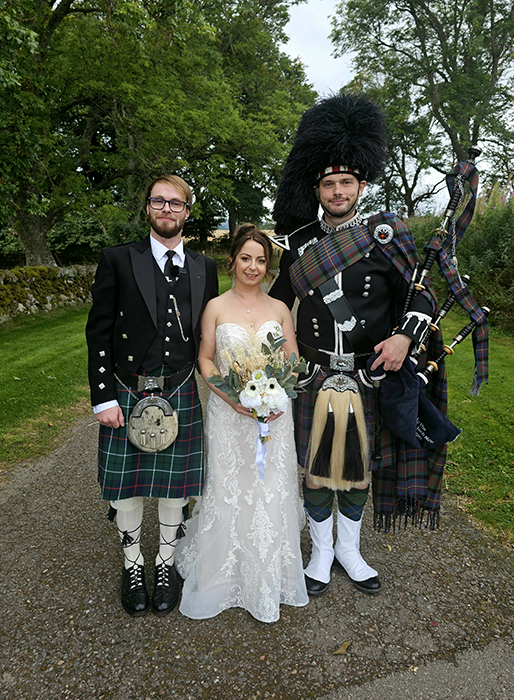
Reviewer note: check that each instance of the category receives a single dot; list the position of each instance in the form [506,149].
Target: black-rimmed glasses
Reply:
[175,205]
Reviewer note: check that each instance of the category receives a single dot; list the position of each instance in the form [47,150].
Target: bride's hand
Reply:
[239,408]
[273,416]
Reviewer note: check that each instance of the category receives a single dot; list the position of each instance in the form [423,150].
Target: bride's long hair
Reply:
[250,232]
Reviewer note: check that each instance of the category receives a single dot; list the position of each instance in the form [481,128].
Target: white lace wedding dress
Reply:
[242,547]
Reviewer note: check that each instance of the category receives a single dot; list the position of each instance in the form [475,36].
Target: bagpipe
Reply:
[402,396]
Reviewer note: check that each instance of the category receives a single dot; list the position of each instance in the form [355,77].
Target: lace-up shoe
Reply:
[134,596]
[165,590]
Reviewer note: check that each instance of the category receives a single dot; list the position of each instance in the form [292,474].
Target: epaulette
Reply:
[283,241]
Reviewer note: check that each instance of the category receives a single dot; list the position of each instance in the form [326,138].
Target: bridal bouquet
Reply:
[260,377]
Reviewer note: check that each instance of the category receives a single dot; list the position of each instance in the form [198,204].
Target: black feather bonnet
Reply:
[345,130]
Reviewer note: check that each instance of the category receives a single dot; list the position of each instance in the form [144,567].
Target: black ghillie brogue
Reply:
[134,596]
[165,591]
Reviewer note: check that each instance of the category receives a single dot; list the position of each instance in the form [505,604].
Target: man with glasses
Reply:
[143,333]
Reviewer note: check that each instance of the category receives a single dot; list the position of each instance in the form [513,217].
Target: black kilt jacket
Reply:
[122,322]
[373,286]
[406,481]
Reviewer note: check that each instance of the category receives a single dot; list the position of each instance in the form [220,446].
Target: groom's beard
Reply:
[167,225]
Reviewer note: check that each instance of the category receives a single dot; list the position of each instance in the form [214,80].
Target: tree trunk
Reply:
[232,223]
[32,233]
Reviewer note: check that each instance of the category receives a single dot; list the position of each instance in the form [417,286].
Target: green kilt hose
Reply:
[406,481]
[176,472]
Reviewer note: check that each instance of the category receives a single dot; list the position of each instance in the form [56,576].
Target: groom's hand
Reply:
[111,417]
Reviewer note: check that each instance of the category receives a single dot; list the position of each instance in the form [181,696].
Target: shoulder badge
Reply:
[302,248]
[383,233]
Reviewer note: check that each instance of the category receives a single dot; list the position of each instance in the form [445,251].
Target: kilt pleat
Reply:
[176,472]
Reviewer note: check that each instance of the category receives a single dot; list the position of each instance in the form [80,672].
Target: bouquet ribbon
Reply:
[262,449]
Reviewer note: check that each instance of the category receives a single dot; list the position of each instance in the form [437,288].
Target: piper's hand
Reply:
[273,416]
[392,352]
[111,417]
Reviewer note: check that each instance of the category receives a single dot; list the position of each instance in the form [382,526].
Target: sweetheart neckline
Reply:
[231,323]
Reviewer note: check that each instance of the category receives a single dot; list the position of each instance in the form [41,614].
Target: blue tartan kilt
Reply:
[176,472]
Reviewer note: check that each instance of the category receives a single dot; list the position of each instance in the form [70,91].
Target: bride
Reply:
[242,545]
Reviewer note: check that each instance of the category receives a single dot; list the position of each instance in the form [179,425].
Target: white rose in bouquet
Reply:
[251,397]
[275,397]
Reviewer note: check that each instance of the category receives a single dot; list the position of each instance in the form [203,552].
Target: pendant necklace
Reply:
[248,308]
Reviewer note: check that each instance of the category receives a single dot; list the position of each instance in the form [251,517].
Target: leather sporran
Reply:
[152,425]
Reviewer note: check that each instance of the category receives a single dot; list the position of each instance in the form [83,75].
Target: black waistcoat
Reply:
[168,346]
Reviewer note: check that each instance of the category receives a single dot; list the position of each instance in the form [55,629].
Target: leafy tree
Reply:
[414,147]
[270,92]
[454,59]
[102,128]
[110,93]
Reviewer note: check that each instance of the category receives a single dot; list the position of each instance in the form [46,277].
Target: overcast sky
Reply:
[309,29]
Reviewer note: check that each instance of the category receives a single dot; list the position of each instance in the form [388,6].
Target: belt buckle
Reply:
[343,363]
[150,383]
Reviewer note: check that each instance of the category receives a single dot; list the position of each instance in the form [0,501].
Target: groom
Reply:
[350,276]
[143,334]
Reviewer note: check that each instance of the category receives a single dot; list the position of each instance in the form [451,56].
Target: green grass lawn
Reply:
[480,464]
[43,371]
[43,380]
[43,388]
[225,282]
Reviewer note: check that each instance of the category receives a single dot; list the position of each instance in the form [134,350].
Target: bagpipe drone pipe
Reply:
[402,396]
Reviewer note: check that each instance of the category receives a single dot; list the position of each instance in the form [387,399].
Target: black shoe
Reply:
[370,585]
[134,596]
[165,590]
[315,587]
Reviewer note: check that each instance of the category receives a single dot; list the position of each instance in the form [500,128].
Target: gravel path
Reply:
[441,628]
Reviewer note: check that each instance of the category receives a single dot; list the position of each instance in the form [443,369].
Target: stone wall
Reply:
[28,290]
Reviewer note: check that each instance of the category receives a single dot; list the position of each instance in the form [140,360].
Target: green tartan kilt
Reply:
[176,472]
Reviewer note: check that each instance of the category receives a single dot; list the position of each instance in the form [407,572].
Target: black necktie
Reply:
[171,271]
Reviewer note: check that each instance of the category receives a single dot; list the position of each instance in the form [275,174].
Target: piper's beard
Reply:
[345,213]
